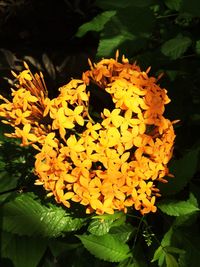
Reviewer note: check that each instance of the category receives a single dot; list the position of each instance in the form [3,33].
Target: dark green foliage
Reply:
[183,170]
[57,37]
[26,216]
[105,247]
[22,250]
[179,208]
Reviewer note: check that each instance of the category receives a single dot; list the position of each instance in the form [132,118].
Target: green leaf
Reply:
[192,7]
[2,165]
[197,47]
[96,24]
[6,183]
[187,238]
[193,200]
[177,208]
[119,220]
[107,46]
[167,238]
[159,254]
[126,30]
[139,21]
[123,232]
[23,251]
[113,217]
[99,227]
[182,261]
[187,219]
[27,216]
[173,4]
[101,224]
[175,250]
[176,47]
[130,263]
[105,247]
[183,170]
[171,261]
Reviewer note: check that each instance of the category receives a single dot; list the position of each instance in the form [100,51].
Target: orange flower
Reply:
[112,118]
[24,134]
[106,165]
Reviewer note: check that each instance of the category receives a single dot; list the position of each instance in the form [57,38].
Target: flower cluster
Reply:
[109,164]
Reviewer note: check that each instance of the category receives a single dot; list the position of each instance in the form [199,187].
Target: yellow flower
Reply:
[75,114]
[74,92]
[112,118]
[20,117]
[51,141]
[60,194]
[148,205]
[109,137]
[75,145]
[92,130]
[24,134]
[62,122]
[106,165]
[24,75]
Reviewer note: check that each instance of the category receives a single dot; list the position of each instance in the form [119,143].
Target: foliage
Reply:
[161,34]
[105,247]
[26,216]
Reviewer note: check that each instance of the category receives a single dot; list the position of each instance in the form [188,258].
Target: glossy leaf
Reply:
[175,250]
[96,24]
[159,254]
[176,47]
[27,216]
[125,29]
[99,227]
[123,232]
[105,247]
[7,184]
[177,208]
[171,261]
[108,45]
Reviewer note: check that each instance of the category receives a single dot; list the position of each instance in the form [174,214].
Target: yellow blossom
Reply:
[75,145]
[110,164]
[112,118]
[24,134]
